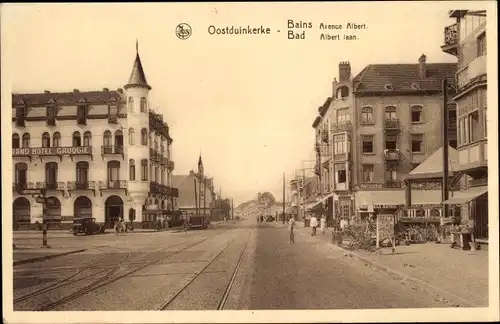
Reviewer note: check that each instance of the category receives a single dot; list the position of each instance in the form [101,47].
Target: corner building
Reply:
[101,154]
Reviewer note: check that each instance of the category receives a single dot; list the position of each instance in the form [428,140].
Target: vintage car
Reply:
[87,226]
[198,221]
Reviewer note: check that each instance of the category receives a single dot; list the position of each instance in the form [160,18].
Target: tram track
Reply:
[109,279]
[227,290]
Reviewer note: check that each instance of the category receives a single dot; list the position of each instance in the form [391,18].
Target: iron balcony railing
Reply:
[113,184]
[392,155]
[51,185]
[81,185]
[171,165]
[393,184]
[342,126]
[392,123]
[112,149]
[451,35]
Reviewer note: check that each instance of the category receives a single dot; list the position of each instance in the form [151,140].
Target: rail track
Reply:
[108,278]
[227,290]
[68,280]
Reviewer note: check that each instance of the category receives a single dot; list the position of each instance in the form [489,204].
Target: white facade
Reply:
[96,154]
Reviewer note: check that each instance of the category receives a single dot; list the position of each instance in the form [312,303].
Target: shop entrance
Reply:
[21,210]
[113,210]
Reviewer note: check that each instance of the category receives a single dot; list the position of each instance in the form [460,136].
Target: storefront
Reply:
[21,211]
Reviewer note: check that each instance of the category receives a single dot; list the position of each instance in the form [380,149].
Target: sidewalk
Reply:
[28,255]
[461,276]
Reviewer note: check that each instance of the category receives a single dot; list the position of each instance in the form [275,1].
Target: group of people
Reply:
[161,223]
[120,226]
[313,224]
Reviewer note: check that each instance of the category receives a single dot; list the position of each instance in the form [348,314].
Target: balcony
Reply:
[111,150]
[339,157]
[21,187]
[473,158]
[341,186]
[473,73]
[171,165]
[342,127]
[392,124]
[154,155]
[164,161]
[392,155]
[56,186]
[81,185]
[81,120]
[113,185]
[450,40]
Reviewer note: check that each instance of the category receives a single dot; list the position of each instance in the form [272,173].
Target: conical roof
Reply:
[200,162]
[137,77]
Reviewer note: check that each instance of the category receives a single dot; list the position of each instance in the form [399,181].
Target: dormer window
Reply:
[415,86]
[388,86]
[342,92]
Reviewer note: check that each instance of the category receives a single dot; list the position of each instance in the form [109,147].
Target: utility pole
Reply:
[195,196]
[444,129]
[232,208]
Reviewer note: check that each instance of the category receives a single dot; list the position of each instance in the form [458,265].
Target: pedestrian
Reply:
[314,224]
[323,224]
[291,225]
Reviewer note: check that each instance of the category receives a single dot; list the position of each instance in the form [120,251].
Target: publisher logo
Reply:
[183,31]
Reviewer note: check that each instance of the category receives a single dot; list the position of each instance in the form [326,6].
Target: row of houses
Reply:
[380,136]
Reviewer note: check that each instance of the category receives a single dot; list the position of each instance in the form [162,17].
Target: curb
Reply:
[46,257]
[448,295]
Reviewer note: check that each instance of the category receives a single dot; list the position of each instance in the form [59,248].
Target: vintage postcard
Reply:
[249,162]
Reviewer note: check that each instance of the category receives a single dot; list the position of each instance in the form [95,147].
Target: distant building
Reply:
[91,154]
[466,39]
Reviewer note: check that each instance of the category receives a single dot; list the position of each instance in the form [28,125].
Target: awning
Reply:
[319,201]
[461,197]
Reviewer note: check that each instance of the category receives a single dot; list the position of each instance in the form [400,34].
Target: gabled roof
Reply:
[66,98]
[323,109]
[432,167]
[137,77]
[374,77]
[316,122]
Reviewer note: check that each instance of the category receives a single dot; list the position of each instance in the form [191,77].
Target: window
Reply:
[452,117]
[87,139]
[118,140]
[77,139]
[367,115]
[26,140]
[342,92]
[144,136]
[81,111]
[341,173]
[390,175]
[112,110]
[367,144]
[417,143]
[416,114]
[16,141]
[143,105]
[390,113]
[131,170]
[368,172]
[144,170]
[474,132]
[51,174]
[481,45]
[391,142]
[106,139]
[82,171]
[131,104]
[342,116]
[339,145]
[131,140]
[21,173]
[56,140]
[113,171]
[45,140]
[462,134]
[51,112]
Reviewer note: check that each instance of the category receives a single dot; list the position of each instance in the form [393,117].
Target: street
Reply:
[238,265]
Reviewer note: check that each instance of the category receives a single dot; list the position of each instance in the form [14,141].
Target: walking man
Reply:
[314,224]
[291,225]
[323,224]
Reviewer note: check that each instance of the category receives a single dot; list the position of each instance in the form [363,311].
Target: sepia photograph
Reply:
[249,162]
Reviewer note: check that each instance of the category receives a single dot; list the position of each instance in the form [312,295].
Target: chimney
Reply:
[46,91]
[422,67]
[105,89]
[76,90]
[344,71]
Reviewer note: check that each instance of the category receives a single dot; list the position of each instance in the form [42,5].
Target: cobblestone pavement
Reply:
[237,265]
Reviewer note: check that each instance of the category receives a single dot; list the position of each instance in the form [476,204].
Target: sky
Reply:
[245,102]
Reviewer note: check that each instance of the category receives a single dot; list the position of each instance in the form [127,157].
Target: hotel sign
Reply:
[52,151]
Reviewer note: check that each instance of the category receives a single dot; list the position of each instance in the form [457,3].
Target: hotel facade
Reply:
[102,154]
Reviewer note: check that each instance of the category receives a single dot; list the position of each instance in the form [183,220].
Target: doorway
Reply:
[113,210]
